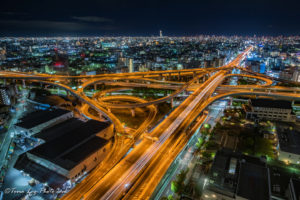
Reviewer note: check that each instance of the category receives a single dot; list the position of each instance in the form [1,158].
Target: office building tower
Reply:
[131,66]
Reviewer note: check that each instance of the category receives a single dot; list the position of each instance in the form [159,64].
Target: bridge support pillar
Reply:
[109,110]
[203,79]
[194,74]
[95,86]
[161,77]
[132,112]
[172,102]
[4,82]
[24,84]
[179,77]
[170,76]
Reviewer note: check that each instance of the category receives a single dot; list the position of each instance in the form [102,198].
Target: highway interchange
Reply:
[134,174]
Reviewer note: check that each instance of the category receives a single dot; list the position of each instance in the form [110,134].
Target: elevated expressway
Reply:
[96,176]
[266,92]
[119,179]
[116,181]
[266,81]
[269,77]
[179,89]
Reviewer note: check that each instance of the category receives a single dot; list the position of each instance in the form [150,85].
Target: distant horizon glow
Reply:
[136,18]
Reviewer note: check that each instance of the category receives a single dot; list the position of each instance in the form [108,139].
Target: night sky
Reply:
[146,17]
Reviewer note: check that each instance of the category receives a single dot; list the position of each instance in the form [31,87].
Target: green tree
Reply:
[170,197]
[199,142]
[174,186]
[207,126]
[178,186]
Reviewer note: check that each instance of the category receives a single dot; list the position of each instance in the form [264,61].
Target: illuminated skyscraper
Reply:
[4,98]
[131,66]
[2,53]
[160,33]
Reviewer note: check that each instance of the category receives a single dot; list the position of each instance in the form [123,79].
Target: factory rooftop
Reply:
[39,117]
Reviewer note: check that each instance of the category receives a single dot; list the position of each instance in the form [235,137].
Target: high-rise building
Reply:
[3,53]
[47,69]
[296,76]
[4,98]
[262,69]
[131,66]
[160,33]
